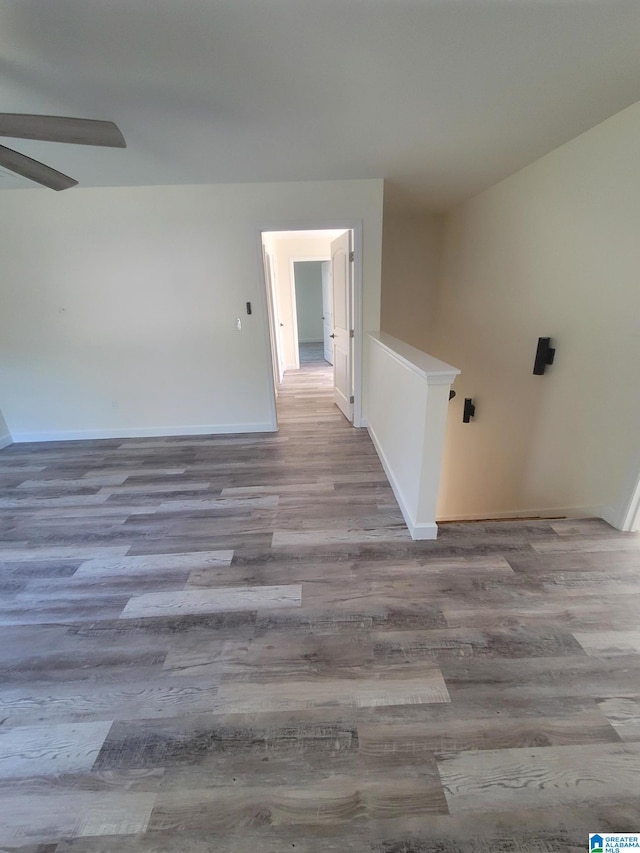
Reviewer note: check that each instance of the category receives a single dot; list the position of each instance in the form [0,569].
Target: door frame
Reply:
[354,225]
[630,520]
[341,274]
[327,341]
[274,318]
[294,304]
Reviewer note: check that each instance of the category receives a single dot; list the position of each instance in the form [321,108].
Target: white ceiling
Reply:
[441,97]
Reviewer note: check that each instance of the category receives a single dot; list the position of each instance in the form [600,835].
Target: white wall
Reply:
[308,279]
[411,249]
[118,306]
[554,251]
[5,435]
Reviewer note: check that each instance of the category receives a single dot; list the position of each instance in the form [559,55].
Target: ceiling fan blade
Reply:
[79,131]
[34,170]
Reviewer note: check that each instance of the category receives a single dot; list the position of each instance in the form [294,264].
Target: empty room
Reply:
[319,426]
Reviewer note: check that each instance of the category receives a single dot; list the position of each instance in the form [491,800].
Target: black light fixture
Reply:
[469,410]
[544,356]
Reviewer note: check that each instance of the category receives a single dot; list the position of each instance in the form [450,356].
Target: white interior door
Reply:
[342,285]
[275,326]
[327,312]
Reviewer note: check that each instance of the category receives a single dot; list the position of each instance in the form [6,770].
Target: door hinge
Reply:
[352,333]
[352,256]
[351,399]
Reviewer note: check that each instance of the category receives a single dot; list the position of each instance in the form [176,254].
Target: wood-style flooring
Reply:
[231,644]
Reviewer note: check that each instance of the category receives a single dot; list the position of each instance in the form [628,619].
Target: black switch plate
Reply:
[248,308]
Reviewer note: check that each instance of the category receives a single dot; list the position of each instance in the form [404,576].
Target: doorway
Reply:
[314,299]
[313,311]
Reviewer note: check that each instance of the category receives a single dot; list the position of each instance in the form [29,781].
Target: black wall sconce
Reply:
[452,394]
[469,410]
[544,356]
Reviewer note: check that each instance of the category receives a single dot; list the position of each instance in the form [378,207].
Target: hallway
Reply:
[231,643]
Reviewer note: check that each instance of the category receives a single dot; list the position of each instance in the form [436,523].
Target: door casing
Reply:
[327,312]
[343,322]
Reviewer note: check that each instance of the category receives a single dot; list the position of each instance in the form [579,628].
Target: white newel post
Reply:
[408,401]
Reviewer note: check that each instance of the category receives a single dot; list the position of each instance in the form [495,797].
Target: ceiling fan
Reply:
[78,131]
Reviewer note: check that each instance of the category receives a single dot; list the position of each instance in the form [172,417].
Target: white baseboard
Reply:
[5,441]
[143,432]
[555,512]
[423,531]
[417,531]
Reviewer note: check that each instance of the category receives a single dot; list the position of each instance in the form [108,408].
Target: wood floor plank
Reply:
[336,801]
[213,600]
[45,502]
[44,818]
[294,654]
[67,611]
[155,563]
[285,489]
[337,838]
[630,542]
[290,539]
[519,778]
[624,715]
[108,479]
[50,702]
[27,553]
[569,675]
[127,488]
[609,642]
[219,503]
[50,750]
[560,829]
[401,740]
[243,697]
